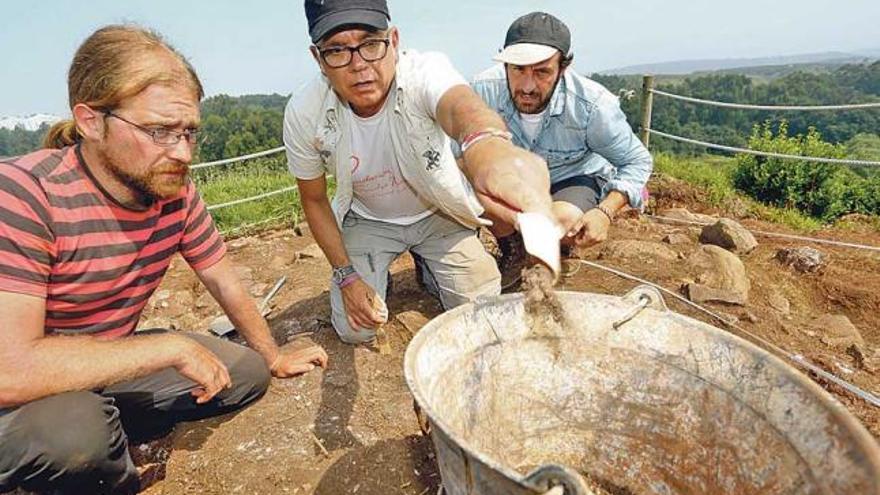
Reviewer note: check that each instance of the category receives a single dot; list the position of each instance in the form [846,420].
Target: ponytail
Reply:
[61,134]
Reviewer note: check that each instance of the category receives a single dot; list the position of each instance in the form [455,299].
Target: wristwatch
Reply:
[341,273]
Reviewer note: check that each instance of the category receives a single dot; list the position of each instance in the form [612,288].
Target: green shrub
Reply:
[824,191]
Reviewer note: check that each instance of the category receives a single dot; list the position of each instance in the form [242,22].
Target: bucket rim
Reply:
[869,447]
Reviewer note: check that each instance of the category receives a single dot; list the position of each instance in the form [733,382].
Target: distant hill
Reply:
[771,66]
[28,123]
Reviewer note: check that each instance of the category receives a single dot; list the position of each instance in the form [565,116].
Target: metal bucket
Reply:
[660,404]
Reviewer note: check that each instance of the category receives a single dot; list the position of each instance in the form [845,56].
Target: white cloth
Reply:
[380,191]
[531,123]
[317,137]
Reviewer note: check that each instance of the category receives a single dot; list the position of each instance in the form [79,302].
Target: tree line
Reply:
[239,125]
[857,83]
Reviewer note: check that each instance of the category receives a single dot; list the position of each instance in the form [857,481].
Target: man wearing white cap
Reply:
[597,165]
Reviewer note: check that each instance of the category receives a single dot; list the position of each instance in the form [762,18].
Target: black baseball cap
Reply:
[326,16]
[534,38]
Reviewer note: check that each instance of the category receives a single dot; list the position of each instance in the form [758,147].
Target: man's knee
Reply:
[348,334]
[250,378]
[72,439]
[481,278]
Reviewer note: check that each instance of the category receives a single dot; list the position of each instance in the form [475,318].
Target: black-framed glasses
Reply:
[162,136]
[340,56]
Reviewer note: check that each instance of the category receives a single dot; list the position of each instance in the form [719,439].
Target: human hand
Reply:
[292,363]
[202,366]
[591,228]
[508,180]
[362,306]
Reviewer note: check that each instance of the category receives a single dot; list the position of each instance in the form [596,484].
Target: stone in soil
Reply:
[803,259]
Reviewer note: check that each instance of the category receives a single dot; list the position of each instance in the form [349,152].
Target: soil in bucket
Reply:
[546,317]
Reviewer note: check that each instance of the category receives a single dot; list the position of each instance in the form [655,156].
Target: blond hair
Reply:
[117,62]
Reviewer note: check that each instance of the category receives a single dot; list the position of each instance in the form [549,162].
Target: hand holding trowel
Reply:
[221,326]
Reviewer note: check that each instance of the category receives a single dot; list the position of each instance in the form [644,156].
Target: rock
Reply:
[311,251]
[803,259]
[156,322]
[699,293]
[644,250]
[750,317]
[778,302]
[240,242]
[868,361]
[412,320]
[684,214]
[730,235]
[837,331]
[259,289]
[721,277]
[676,239]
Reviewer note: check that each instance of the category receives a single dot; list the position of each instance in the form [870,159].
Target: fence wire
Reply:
[798,359]
[252,198]
[780,235]
[746,106]
[242,158]
[769,154]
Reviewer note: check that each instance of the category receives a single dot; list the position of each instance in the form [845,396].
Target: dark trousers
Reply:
[77,442]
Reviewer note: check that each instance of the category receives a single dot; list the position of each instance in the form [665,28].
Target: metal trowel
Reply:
[541,239]
[221,326]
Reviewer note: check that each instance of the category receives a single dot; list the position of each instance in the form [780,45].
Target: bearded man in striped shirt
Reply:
[88,228]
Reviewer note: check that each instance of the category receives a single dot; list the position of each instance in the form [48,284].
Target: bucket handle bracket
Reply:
[548,477]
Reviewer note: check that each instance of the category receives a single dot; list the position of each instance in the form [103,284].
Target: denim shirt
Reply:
[583,132]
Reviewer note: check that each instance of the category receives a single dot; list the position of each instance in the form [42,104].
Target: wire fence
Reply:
[237,159]
[777,108]
[814,240]
[732,149]
[649,91]
[797,359]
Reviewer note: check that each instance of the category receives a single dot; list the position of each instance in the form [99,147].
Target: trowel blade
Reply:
[541,238]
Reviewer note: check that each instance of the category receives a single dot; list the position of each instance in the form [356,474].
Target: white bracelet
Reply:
[476,137]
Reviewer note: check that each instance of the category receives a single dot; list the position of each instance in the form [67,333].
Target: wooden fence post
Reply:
[647,107]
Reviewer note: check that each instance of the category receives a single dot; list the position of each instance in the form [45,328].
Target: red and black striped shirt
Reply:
[95,261]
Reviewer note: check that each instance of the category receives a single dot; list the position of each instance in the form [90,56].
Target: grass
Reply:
[252,178]
[710,173]
[714,175]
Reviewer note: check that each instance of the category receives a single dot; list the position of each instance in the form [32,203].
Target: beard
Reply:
[162,181]
[536,103]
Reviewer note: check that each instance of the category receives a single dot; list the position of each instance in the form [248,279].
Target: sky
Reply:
[261,46]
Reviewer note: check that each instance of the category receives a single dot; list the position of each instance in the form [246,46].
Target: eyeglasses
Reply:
[340,56]
[162,136]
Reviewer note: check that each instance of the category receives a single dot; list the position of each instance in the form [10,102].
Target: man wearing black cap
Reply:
[379,120]
[597,165]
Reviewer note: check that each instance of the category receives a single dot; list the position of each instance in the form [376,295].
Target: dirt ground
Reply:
[351,429]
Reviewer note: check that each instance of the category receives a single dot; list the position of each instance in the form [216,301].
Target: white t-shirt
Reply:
[380,191]
[312,141]
[531,123]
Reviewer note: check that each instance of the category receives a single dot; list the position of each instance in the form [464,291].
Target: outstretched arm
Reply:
[506,178]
